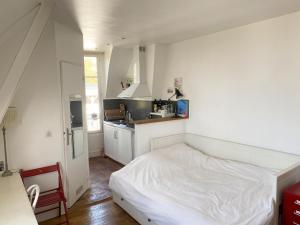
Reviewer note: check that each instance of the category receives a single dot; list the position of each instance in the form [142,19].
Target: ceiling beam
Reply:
[17,68]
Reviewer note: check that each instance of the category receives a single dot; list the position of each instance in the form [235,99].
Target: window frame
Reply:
[99,79]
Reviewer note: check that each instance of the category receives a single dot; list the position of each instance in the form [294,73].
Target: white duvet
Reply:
[181,186]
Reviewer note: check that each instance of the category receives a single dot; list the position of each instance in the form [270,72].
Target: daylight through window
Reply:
[92,93]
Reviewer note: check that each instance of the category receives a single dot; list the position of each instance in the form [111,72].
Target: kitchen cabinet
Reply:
[124,146]
[118,143]
[110,141]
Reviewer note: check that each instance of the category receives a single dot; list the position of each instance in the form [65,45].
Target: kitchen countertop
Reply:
[123,126]
[144,121]
[156,120]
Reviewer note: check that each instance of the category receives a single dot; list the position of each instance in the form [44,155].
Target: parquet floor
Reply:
[96,207]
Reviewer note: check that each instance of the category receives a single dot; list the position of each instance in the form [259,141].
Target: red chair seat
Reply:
[49,199]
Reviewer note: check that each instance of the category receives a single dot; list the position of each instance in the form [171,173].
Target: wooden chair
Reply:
[33,194]
[52,196]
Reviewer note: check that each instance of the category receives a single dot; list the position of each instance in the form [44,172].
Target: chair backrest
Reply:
[33,193]
[43,170]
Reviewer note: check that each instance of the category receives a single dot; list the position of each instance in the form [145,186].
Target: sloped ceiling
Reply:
[15,20]
[11,41]
[21,27]
[12,10]
[165,21]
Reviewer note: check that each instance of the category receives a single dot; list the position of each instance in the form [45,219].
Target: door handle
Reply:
[116,134]
[68,133]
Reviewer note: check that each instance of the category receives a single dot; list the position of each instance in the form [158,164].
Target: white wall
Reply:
[10,43]
[150,62]
[118,66]
[69,44]
[96,144]
[145,132]
[37,138]
[102,74]
[159,71]
[243,84]
[35,141]
[107,56]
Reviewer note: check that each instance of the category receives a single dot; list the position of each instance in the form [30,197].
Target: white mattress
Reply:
[181,186]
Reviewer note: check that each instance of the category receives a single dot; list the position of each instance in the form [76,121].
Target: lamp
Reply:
[8,119]
[177,93]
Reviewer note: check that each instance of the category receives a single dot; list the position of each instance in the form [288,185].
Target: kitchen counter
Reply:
[156,120]
[122,126]
[123,143]
[144,121]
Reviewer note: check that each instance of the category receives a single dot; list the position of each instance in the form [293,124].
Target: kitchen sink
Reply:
[119,122]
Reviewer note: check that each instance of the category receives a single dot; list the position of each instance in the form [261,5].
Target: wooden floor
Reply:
[96,207]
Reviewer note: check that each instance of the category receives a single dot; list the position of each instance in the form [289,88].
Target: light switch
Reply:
[49,133]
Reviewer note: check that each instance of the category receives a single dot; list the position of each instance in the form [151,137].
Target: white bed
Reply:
[178,185]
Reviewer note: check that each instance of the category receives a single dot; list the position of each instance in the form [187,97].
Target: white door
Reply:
[75,131]
[124,146]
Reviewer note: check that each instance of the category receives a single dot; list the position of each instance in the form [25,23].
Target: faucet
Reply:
[128,116]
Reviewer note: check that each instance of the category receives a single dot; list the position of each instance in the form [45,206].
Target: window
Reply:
[92,93]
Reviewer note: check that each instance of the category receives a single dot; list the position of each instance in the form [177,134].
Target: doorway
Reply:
[75,135]
[87,171]
[100,167]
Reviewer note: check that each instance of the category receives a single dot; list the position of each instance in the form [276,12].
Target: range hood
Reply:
[139,89]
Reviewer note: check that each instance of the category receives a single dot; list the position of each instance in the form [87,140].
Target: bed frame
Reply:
[288,165]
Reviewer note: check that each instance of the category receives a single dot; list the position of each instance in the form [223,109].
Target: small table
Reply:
[15,207]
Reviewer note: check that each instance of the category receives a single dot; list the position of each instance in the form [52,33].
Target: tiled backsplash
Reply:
[139,109]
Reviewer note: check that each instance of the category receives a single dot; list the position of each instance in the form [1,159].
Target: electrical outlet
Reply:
[1,166]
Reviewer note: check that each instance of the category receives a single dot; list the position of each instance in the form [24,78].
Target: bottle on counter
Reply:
[155,106]
[159,104]
[170,107]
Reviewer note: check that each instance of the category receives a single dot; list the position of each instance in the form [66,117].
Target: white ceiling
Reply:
[165,21]
[151,21]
